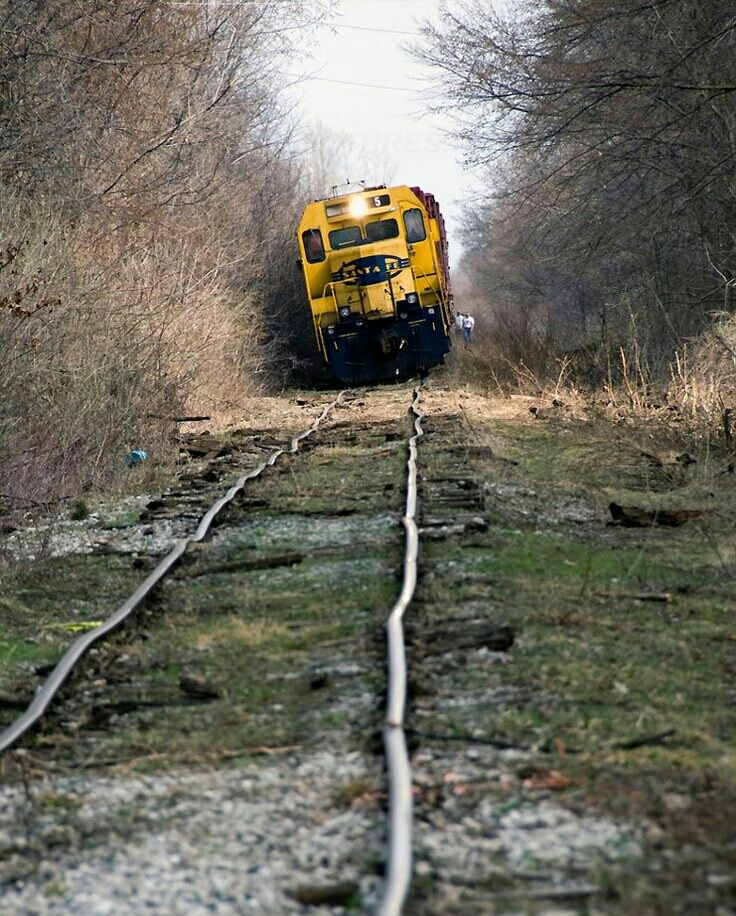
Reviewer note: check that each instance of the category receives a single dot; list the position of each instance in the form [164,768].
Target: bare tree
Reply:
[607,131]
[145,180]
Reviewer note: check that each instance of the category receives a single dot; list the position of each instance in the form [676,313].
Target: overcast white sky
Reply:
[390,136]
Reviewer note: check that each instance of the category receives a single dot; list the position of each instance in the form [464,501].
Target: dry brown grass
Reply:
[697,403]
[699,384]
[504,356]
[703,376]
[100,351]
[249,633]
[503,361]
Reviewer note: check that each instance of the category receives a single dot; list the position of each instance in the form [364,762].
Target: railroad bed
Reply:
[223,752]
[232,650]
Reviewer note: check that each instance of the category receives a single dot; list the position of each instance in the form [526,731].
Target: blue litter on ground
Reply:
[135,457]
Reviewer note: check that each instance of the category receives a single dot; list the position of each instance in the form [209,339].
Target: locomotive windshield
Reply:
[381,229]
[375,231]
[344,238]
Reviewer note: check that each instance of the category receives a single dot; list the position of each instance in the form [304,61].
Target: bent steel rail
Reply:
[79,647]
[399,863]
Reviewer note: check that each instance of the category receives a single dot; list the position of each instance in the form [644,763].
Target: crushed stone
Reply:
[59,536]
[219,841]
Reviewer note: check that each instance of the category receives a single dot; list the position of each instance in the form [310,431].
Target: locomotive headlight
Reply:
[345,311]
[430,311]
[358,207]
[412,298]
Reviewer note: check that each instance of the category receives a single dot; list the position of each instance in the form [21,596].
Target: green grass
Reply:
[122,520]
[14,650]
[602,666]
[45,595]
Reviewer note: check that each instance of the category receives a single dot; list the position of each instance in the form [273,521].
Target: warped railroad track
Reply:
[266,648]
[398,854]
[55,681]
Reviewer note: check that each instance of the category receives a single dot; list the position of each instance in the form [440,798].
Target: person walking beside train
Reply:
[458,323]
[468,325]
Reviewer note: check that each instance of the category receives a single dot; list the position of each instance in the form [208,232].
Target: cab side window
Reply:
[414,223]
[314,247]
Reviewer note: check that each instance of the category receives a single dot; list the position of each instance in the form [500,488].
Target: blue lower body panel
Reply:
[374,350]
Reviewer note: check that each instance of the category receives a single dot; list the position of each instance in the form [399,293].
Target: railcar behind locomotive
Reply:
[376,272]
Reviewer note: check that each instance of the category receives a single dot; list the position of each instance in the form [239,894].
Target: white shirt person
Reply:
[468,325]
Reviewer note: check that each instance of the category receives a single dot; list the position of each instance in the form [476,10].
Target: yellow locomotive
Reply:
[376,272]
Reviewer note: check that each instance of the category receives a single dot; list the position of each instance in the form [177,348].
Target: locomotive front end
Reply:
[378,296]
